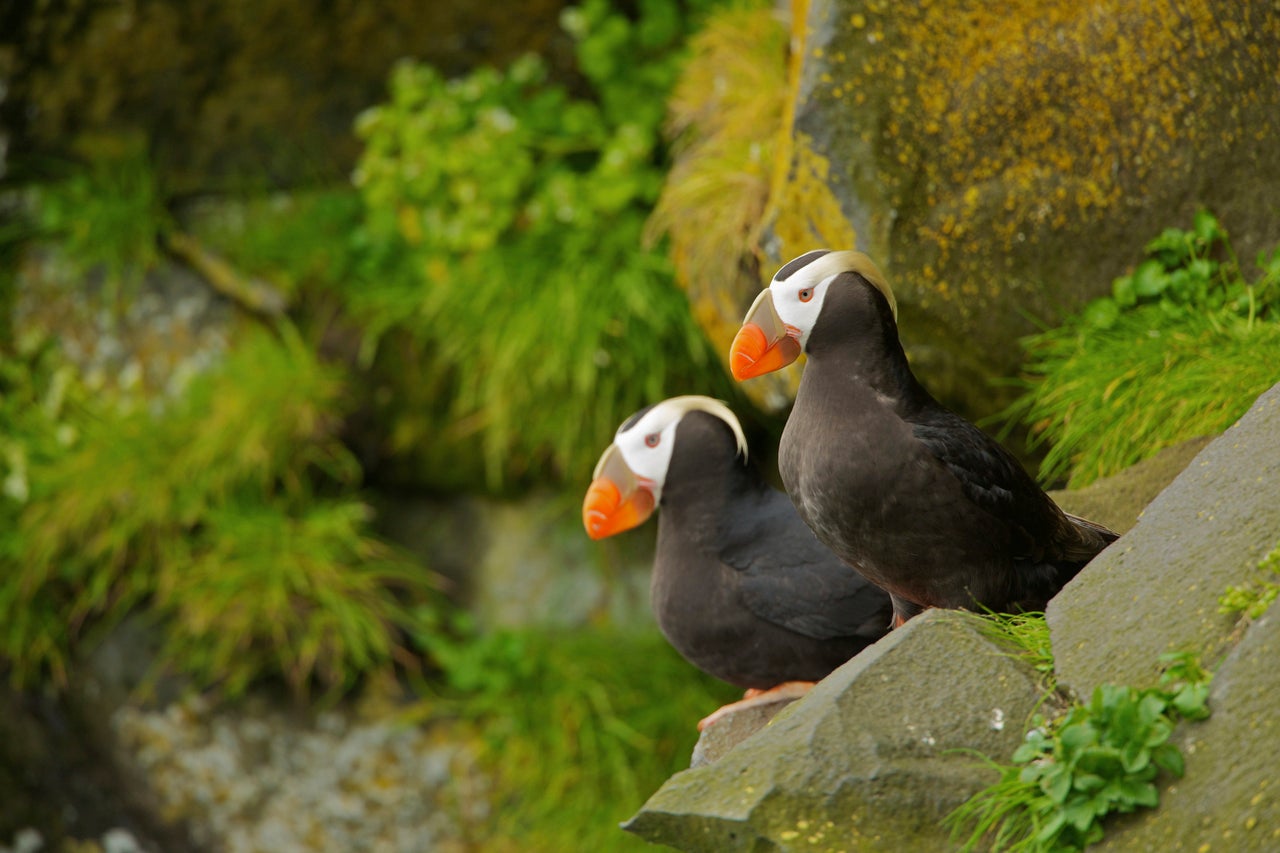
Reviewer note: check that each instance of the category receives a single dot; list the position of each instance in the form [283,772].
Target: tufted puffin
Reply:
[920,501]
[741,588]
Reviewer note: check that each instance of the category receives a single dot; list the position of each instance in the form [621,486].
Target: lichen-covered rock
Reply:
[261,778]
[871,759]
[1229,799]
[1156,589]
[1001,162]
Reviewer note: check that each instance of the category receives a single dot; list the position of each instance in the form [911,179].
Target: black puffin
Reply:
[916,498]
[740,587]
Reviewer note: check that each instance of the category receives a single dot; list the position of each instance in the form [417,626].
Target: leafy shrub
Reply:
[520,208]
[1181,349]
[1097,759]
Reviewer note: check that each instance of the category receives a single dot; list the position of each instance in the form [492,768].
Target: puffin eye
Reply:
[651,440]
[806,294]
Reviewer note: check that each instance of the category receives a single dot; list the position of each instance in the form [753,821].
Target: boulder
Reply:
[1002,163]
[1229,798]
[872,758]
[1156,589]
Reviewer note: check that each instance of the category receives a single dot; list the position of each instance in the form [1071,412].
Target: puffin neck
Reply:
[706,471]
[856,341]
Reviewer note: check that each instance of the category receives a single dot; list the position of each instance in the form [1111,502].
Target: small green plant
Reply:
[1256,596]
[1096,759]
[1180,349]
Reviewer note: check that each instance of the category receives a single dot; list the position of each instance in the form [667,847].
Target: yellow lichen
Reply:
[1065,109]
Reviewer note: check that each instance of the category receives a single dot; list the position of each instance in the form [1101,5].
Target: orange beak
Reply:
[616,500]
[764,343]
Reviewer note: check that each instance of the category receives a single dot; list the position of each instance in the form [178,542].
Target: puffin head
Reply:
[627,484]
[778,324]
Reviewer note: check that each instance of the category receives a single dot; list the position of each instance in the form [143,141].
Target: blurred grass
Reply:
[230,513]
[577,728]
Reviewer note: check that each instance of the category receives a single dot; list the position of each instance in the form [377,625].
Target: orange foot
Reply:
[755,696]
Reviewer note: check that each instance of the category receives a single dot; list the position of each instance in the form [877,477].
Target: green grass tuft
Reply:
[1182,349]
[215,513]
[1026,635]
[108,213]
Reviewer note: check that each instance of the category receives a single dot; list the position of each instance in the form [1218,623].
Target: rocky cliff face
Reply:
[877,754]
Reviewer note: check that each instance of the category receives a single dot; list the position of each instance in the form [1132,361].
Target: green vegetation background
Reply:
[474,313]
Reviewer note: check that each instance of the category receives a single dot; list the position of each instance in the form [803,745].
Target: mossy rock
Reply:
[1229,798]
[1003,164]
[1156,590]
[873,758]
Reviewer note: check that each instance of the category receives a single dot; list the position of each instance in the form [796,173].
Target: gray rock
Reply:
[872,758]
[1229,799]
[525,562]
[733,728]
[1156,590]
[1117,501]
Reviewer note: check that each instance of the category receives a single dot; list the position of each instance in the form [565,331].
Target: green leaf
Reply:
[1150,279]
[1101,313]
[1052,828]
[1169,757]
[1123,292]
[1134,758]
[1206,227]
[1057,783]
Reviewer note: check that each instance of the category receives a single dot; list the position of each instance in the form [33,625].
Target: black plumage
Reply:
[919,500]
[741,588]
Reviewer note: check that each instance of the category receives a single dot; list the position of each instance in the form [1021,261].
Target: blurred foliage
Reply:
[297,241]
[483,309]
[724,115]
[229,512]
[528,300]
[109,214]
[575,741]
[1181,348]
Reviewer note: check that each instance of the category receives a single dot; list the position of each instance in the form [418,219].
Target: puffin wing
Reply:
[994,480]
[789,578]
